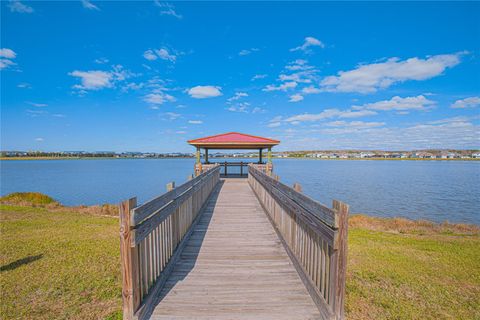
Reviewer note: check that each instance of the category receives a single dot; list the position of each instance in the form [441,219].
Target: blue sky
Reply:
[147,76]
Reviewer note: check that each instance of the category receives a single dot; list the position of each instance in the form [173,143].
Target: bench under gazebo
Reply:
[232,141]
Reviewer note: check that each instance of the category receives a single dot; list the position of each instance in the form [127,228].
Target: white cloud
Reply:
[24,85]
[39,139]
[328,113]
[471,102]
[162,53]
[158,98]
[304,73]
[150,55]
[258,110]
[133,86]
[181,132]
[37,104]
[165,55]
[92,80]
[355,124]
[299,64]
[309,42]
[172,115]
[5,63]
[246,52]
[88,5]
[36,113]
[237,96]
[97,79]
[372,77]
[296,73]
[311,90]
[356,114]
[202,92]
[167,9]
[398,103]
[17,6]
[239,107]
[453,133]
[259,76]
[101,60]
[195,121]
[308,117]
[7,53]
[296,98]
[274,124]
[282,87]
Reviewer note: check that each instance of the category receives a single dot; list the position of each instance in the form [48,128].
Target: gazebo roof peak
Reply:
[233,140]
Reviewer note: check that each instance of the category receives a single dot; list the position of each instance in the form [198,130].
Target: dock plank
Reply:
[234,266]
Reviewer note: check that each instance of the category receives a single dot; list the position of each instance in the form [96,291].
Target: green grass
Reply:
[62,263]
[411,276]
[58,265]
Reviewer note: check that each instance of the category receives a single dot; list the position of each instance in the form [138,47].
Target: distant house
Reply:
[366,155]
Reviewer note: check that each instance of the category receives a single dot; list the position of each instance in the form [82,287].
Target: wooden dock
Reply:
[233,248]
[234,266]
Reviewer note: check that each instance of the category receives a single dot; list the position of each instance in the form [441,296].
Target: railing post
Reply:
[241,168]
[297,187]
[340,271]
[170,186]
[129,262]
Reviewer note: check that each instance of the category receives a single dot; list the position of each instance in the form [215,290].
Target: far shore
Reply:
[220,159]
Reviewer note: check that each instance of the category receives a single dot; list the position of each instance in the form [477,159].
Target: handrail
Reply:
[315,238]
[152,237]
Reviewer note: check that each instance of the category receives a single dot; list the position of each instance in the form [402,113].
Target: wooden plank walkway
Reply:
[234,266]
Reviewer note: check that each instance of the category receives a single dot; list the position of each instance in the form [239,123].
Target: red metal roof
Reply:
[234,138]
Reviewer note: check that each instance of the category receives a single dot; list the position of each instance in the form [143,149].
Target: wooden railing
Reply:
[315,238]
[152,236]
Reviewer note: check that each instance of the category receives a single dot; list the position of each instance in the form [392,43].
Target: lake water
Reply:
[433,190]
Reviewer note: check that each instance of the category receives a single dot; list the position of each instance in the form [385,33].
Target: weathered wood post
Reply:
[170,186]
[241,168]
[340,269]
[297,187]
[198,163]
[129,261]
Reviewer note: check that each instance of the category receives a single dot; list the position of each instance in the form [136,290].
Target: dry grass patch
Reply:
[402,225]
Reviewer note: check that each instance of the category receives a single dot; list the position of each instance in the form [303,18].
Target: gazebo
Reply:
[233,140]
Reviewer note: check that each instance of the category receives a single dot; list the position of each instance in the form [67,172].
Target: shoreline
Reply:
[219,159]
[40,200]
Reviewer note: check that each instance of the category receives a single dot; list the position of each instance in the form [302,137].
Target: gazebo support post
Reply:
[206,155]
[260,155]
[269,155]
[198,154]
[198,164]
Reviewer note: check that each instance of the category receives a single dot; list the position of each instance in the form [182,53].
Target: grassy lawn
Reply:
[59,263]
[421,271]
